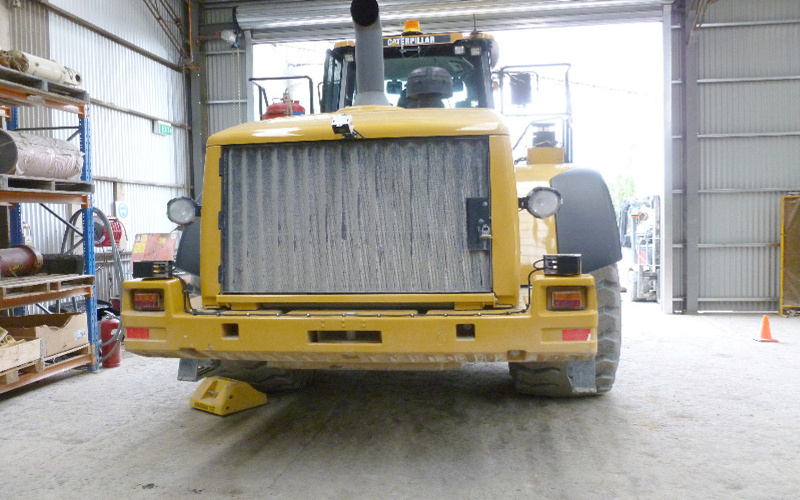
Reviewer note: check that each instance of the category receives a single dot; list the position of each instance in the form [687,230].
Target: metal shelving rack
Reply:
[18,89]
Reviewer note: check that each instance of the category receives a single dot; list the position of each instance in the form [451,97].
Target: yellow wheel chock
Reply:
[223,396]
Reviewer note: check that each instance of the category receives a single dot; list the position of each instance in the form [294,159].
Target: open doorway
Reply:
[616,77]
[617,85]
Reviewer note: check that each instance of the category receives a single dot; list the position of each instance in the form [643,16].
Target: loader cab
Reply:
[467,59]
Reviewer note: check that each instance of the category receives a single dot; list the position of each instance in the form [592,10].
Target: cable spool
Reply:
[35,156]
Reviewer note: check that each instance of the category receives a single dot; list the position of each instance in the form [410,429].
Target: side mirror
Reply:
[394,87]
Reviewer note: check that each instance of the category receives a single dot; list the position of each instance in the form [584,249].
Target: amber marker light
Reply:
[411,28]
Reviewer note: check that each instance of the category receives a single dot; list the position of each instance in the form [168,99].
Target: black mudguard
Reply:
[586,223]
[188,257]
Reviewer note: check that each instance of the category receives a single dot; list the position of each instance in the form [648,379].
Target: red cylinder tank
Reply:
[113,349]
[284,107]
[20,260]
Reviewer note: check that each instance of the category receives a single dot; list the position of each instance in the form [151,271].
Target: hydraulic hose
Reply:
[68,245]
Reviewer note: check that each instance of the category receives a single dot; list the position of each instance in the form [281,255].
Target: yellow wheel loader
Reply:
[393,231]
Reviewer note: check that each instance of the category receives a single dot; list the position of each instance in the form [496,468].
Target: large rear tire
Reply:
[263,377]
[565,379]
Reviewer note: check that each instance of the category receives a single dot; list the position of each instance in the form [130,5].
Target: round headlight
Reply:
[542,202]
[183,210]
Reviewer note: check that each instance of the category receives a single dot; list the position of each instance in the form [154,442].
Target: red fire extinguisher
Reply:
[111,351]
[283,107]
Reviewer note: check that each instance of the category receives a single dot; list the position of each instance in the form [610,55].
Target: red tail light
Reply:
[147,300]
[566,298]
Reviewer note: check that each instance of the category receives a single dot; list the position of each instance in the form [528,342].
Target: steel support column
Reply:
[248,68]
[691,46]
[667,206]
[198,116]
[88,238]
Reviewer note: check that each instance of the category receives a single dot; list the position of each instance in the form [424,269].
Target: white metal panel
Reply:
[330,19]
[128,19]
[227,94]
[226,77]
[753,107]
[124,147]
[30,29]
[150,214]
[752,57]
[747,277]
[740,219]
[748,82]
[225,116]
[753,11]
[226,72]
[45,230]
[131,81]
[103,198]
[751,163]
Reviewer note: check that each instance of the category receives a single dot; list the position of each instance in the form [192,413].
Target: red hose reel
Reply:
[101,237]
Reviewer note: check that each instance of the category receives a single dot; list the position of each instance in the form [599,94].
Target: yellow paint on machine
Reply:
[433,339]
[393,331]
[223,396]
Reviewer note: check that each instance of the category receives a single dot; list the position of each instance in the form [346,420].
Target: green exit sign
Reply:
[162,128]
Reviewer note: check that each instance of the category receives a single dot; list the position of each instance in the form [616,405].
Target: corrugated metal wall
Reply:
[130,163]
[306,20]
[226,77]
[737,141]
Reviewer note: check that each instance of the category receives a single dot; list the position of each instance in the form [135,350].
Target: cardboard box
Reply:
[59,332]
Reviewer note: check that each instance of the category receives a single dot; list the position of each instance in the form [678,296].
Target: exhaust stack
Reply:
[369,53]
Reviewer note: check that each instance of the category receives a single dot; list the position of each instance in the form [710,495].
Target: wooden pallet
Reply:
[42,184]
[12,375]
[46,367]
[24,285]
[20,355]
[46,86]
[75,351]
[15,292]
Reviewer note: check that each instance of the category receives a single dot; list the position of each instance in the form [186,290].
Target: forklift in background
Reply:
[640,237]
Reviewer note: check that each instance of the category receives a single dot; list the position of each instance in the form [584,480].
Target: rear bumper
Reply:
[363,339]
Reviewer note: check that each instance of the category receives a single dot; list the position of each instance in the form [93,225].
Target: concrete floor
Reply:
[700,410]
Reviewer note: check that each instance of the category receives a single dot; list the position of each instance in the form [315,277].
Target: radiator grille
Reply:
[359,216]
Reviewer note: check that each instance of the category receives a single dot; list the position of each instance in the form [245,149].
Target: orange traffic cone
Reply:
[766,336]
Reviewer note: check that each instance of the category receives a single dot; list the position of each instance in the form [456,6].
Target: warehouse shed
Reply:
[731,87]
[732,82]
